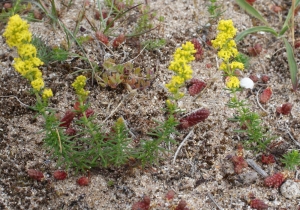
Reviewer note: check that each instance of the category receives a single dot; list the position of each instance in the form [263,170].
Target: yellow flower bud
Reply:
[47,93]
[232,82]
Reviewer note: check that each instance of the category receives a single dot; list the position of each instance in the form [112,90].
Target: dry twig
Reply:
[214,201]
[181,144]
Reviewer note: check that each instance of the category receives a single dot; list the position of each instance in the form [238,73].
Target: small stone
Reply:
[290,189]
[247,83]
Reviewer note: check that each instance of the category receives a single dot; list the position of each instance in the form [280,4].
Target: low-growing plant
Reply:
[289,23]
[154,44]
[257,138]
[76,140]
[291,160]
[126,74]
[214,9]
[250,123]
[48,54]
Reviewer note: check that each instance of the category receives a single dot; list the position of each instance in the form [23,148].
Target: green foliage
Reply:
[117,150]
[214,10]
[116,74]
[290,54]
[46,53]
[88,146]
[154,44]
[291,160]
[151,148]
[243,59]
[59,54]
[144,22]
[257,138]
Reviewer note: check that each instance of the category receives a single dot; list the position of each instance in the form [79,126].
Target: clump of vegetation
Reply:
[126,74]
[250,123]
[291,160]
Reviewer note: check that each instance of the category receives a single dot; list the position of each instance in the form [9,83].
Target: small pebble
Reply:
[290,189]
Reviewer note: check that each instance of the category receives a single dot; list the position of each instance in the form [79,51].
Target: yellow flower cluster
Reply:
[47,93]
[232,82]
[17,32]
[180,66]
[79,85]
[226,46]
[17,35]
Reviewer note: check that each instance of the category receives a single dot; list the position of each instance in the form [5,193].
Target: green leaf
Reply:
[241,35]
[292,63]
[287,20]
[249,9]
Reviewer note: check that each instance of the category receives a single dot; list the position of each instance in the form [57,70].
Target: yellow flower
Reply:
[220,40]
[27,51]
[37,84]
[236,65]
[232,82]
[226,26]
[181,68]
[28,68]
[16,32]
[47,93]
[223,66]
[79,85]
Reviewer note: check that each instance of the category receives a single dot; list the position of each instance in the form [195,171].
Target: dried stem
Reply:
[181,144]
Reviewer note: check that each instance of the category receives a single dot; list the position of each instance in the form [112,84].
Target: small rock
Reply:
[290,189]
[247,83]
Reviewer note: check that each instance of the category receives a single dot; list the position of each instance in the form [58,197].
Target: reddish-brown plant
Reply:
[255,50]
[239,164]
[35,174]
[102,38]
[37,15]
[83,181]
[199,50]
[265,95]
[196,86]
[253,77]
[267,159]
[119,40]
[193,118]
[297,43]
[265,78]
[170,195]
[67,119]
[98,15]
[142,205]
[70,131]
[251,2]
[275,180]
[276,9]
[181,205]
[238,161]
[60,175]
[285,109]
[110,22]
[258,204]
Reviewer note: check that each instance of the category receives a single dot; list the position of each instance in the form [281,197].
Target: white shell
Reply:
[247,83]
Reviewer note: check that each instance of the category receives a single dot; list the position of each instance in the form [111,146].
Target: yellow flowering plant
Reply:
[257,137]
[181,67]
[17,35]
[227,51]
